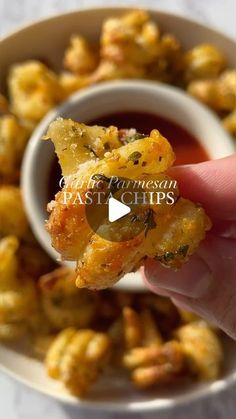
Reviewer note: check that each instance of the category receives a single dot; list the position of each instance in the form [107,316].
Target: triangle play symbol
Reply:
[117,210]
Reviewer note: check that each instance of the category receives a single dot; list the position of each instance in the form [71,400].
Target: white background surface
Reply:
[16,401]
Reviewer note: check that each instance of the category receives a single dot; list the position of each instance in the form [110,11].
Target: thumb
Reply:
[205,284]
[211,183]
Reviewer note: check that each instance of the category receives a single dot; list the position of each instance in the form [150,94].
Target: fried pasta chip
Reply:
[42,343]
[128,44]
[78,143]
[140,329]
[172,232]
[77,358]
[230,122]
[145,355]
[33,90]
[12,331]
[163,309]
[219,93]
[202,348]
[63,303]
[78,331]
[4,107]
[152,360]
[131,37]
[133,343]
[80,58]
[203,61]
[13,219]
[109,70]
[18,298]
[168,65]
[13,139]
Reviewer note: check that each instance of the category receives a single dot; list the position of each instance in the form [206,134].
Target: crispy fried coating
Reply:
[77,143]
[227,90]
[134,328]
[140,329]
[163,310]
[173,231]
[12,331]
[133,332]
[219,94]
[153,152]
[80,58]
[143,334]
[77,358]
[155,365]
[33,90]
[13,139]
[130,37]
[135,344]
[150,360]
[63,303]
[18,298]
[13,219]
[71,83]
[128,43]
[42,343]
[176,237]
[109,70]
[187,316]
[131,46]
[202,348]
[203,61]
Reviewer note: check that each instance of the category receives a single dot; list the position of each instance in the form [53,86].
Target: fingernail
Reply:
[192,280]
[175,169]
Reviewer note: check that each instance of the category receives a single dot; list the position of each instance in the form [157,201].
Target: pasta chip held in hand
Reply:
[168,228]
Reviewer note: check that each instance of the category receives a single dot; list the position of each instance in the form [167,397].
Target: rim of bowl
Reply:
[213,388]
[142,5]
[164,404]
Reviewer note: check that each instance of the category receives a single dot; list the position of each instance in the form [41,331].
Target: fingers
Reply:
[211,183]
[205,285]
[217,309]
[192,279]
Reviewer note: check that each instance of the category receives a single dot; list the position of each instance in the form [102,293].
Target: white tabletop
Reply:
[17,401]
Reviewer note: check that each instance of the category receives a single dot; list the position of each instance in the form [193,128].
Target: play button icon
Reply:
[117,210]
[112,213]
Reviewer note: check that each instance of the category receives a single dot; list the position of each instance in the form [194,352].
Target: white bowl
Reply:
[47,39]
[95,102]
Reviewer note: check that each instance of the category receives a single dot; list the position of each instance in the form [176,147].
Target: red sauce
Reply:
[186,147]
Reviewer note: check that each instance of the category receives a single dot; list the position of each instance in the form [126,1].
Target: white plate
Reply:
[47,40]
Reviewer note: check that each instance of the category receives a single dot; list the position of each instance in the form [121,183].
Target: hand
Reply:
[206,284]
